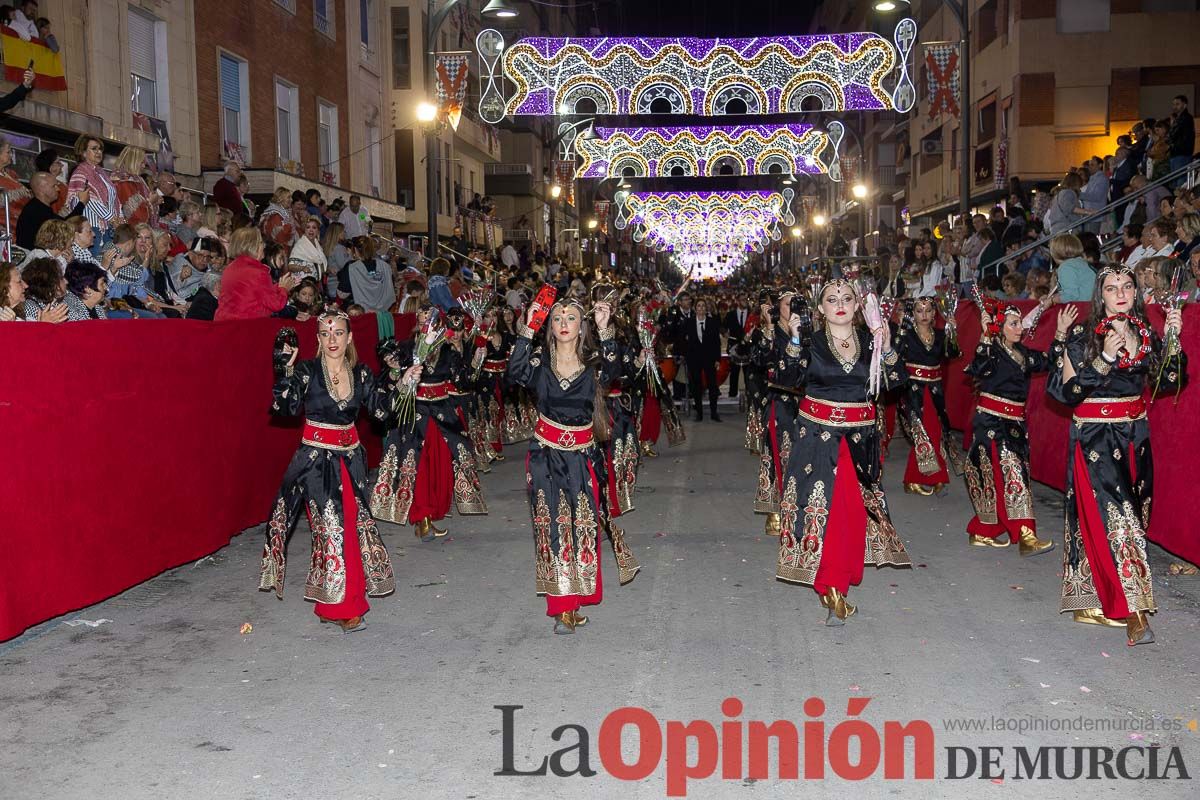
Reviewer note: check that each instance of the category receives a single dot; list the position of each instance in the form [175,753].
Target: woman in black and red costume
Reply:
[1104,370]
[328,476]
[925,350]
[997,468]
[429,462]
[834,514]
[567,372]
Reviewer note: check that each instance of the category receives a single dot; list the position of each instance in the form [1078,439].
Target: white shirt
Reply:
[1139,252]
[509,256]
[355,224]
[930,280]
[700,328]
[25,27]
[1167,250]
[514,298]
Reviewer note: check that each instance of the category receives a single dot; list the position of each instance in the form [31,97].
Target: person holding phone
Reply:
[14,98]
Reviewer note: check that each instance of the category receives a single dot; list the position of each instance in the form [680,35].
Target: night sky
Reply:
[704,18]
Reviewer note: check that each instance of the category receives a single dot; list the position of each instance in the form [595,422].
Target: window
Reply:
[233,74]
[401,57]
[327,142]
[364,24]
[287,121]
[374,165]
[1081,110]
[1083,16]
[323,17]
[987,121]
[986,24]
[147,78]
[289,5]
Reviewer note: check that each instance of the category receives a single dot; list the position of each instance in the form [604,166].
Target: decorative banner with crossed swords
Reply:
[452,71]
[941,64]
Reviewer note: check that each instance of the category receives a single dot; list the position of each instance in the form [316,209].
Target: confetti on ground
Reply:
[659,535]
[1043,685]
[1031,660]
[1016,588]
[246,628]
[855,688]
[1106,655]
[91,623]
[1085,690]
[1136,737]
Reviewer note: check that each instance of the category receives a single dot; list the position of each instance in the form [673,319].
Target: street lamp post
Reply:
[496,9]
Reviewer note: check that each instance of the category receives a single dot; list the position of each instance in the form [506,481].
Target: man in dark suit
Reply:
[679,316]
[703,351]
[735,332]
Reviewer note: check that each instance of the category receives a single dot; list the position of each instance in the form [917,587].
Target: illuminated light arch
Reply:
[714,163]
[735,87]
[808,85]
[668,87]
[641,168]
[584,86]
[800,145]
[677,158]
[542,69]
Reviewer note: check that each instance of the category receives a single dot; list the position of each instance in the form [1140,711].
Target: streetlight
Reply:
[797,233]
[962,13]
[819,220]
[556,191]
[859,190]
[426,112]
[593,224]
[495,9]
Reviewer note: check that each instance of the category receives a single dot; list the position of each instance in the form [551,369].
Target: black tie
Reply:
[702,330]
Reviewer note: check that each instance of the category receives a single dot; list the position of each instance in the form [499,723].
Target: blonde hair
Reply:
[1190,223]
[55,234]
[151,261]
[131,160]
[210,216]
[245,241]
[282,196]
[187,209]
[1064,246]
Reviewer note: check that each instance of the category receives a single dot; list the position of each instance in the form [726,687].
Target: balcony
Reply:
[508,179]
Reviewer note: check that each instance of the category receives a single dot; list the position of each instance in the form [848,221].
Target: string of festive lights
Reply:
[710,77]
[702,150]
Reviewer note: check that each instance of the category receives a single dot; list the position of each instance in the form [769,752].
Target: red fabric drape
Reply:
[651,422]
[119,431]
[1175,427]
[933,429]
[845,544]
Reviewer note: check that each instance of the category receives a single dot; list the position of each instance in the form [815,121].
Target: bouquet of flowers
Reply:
[1171,346]
[1031,320]
[947,303]
[428,342]
[647,333]
[476,303]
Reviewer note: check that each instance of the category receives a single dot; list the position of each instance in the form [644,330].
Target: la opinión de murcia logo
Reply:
[853,749]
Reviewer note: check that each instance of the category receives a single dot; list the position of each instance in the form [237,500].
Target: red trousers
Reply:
[435,478]
[651,423]
[354,602]
[933,428]
[845,544]
[560,604]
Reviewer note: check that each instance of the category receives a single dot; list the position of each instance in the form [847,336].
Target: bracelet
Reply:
[1101,366]
[1110,360]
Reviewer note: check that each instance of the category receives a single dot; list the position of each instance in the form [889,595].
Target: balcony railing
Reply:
[324,24]
[507,169]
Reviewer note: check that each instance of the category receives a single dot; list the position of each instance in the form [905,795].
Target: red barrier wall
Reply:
[132,448]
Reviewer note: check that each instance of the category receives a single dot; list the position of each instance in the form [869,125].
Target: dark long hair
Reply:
[587,348]
[1095,341]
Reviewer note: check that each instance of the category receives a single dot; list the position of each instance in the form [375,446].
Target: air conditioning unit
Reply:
[932,147]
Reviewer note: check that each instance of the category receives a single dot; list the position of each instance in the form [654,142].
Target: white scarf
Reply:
[310,253]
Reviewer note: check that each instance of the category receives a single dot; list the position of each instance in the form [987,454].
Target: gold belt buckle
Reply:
[838,414]
[1106,410]
[567,439]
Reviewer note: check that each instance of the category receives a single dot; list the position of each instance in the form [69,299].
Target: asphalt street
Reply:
[169,698]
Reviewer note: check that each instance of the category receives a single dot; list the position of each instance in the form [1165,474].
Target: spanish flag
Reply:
[18,54]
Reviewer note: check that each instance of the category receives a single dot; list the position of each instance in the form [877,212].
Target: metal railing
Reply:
[1190,172]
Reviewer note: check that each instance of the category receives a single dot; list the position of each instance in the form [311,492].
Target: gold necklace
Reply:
[925,340]
[848,363]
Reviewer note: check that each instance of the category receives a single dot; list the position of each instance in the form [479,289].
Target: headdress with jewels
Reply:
[330,318]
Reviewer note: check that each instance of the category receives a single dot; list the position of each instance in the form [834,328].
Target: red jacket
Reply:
[247,291]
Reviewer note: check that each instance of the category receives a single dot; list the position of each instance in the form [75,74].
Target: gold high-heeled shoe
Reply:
[1137,629]
[985,541]
[437,532]
[917,488]
[498,457]
[564,623]
[1094,616]
[839,609]
[772,527]
[580,619]
[1030,545]
[648,450]
[424,530]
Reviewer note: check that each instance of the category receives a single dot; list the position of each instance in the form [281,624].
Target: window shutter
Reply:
[231,84]
[142,57]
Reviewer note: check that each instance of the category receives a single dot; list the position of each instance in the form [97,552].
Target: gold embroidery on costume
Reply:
[1017,501]
[1128,543]
[393,504]
[981,487]
[327,572]
[627,563]
[884,545]
[273,561]
[468,496]
[377,567]
[546,565]
[794,565]
[766,500]
[927,462]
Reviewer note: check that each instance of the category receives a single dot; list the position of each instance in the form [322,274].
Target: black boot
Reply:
[713,413]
